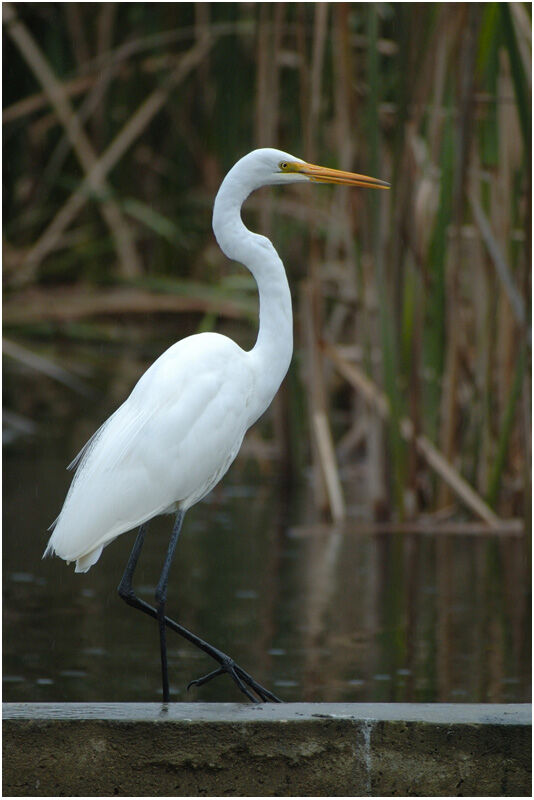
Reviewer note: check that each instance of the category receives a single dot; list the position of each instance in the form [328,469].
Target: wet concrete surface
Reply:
[293,749]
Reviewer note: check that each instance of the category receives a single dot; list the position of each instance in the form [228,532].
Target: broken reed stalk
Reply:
[325,446]
[124,139]
[321,433]
[379,402]
[328,492]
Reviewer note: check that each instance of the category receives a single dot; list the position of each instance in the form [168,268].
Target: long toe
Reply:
[242,679]
[206,678]
[260,690]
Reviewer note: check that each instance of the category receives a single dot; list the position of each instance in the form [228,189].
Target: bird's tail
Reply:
[83,562]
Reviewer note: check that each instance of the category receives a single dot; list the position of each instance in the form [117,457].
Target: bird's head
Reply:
[268,167]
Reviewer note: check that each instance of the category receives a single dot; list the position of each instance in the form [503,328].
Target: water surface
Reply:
[313,614]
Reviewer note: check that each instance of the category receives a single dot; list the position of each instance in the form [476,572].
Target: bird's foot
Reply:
[241,678]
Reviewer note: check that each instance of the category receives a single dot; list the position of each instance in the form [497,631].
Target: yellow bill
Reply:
[327,175]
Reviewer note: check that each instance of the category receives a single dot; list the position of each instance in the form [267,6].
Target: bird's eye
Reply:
[284,166]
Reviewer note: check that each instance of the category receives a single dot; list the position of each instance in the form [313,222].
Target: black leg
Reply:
[125,586]
[226,664]
[127,593]
[161,599]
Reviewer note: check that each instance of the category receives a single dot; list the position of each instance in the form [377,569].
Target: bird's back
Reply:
[166,446]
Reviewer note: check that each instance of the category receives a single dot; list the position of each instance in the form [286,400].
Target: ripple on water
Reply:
[246,594]
[22,577]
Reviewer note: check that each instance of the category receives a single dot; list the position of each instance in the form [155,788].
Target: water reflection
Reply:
[315,615]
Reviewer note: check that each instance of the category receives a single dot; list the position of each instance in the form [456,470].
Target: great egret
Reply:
[182,426]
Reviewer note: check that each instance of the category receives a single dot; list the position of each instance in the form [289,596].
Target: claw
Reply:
[240,678]
[206,678]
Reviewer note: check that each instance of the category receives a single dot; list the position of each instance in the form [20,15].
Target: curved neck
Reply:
[271,355]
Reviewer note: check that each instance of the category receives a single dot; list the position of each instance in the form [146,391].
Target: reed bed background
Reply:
[412,376]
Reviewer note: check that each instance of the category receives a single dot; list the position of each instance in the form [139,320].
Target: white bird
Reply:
[182,426]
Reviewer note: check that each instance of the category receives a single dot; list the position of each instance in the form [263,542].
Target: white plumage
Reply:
[182,426]
[166,446]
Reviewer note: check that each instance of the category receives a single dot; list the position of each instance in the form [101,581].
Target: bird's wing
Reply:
[167,445]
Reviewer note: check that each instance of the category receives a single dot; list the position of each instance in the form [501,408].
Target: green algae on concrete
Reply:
[322,749]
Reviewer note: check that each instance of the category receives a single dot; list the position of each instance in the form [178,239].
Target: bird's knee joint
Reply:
[126,593]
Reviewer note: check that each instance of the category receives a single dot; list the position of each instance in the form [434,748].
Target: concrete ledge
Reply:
[306,749]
